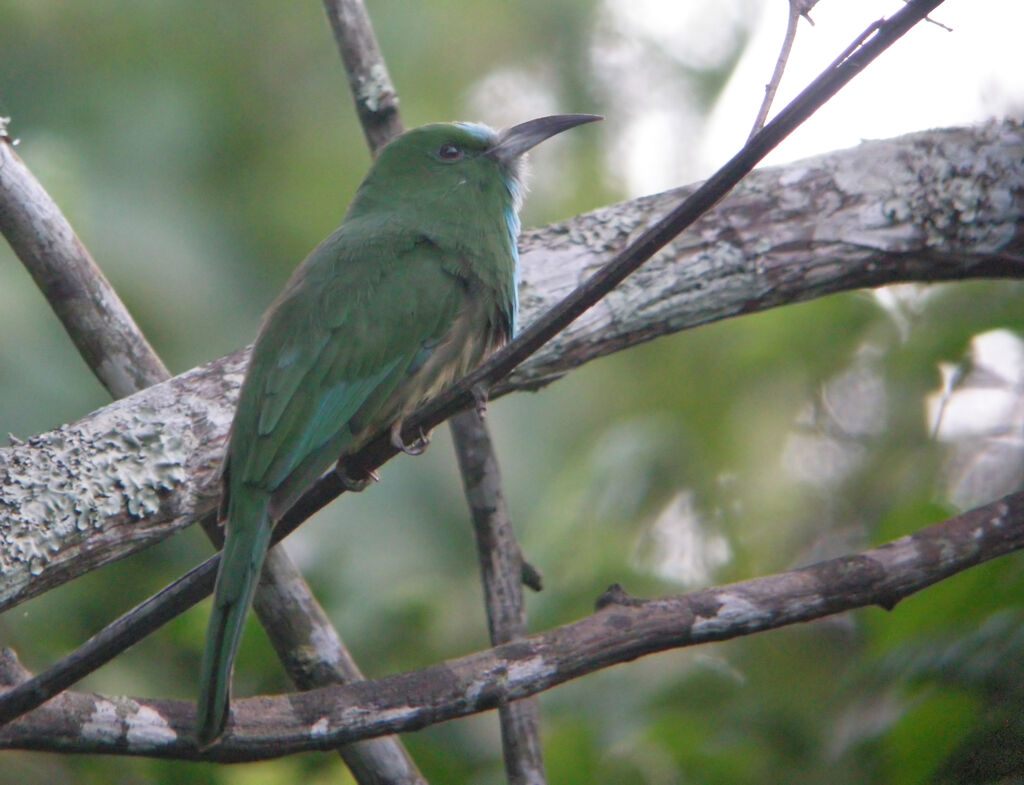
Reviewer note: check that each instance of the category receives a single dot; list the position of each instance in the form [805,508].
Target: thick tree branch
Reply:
[622,630]
[934,206]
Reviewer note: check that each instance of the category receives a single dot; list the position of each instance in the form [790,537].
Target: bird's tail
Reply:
[245,547]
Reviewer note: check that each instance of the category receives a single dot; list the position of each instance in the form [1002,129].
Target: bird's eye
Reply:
[449,152]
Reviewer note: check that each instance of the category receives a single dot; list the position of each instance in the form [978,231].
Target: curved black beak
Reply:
[514,141]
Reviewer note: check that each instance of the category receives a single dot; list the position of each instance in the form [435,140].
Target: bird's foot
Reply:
[480,399]
[413,448]
[353,481]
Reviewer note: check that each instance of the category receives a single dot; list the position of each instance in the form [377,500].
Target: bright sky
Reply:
[930,78]
[657,137]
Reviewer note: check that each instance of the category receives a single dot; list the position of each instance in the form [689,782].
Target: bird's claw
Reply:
[352,482]
[413,448]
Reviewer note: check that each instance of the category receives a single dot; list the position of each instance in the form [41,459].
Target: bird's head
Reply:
[459,167]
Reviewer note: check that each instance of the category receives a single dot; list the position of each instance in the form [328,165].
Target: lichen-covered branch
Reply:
[939,205]
[932,206]
[83,495]
[623,629]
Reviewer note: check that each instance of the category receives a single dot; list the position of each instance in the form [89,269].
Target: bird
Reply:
[416,287]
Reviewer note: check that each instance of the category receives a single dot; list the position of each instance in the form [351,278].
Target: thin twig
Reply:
[460,396]
[797,9]
[623,629]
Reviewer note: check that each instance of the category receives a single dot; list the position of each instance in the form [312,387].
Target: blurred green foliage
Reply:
[201,149]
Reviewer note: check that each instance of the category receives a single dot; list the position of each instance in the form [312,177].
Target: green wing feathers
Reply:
[335,360]
[334,342]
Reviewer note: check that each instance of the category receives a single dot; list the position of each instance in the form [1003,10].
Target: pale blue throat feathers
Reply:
[511,180]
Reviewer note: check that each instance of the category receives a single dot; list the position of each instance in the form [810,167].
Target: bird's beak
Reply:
[514,141]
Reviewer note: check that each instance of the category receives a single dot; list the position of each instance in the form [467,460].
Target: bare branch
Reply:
[622,630]
[93,315]
[797,9]
[501,568]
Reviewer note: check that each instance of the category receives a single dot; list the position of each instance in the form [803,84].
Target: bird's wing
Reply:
[337,344]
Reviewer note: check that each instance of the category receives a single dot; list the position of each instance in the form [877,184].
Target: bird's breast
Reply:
[474,335]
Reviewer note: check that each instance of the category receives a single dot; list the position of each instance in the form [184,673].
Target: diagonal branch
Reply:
[374,95]
[96,320]
[623,629]
[797,9]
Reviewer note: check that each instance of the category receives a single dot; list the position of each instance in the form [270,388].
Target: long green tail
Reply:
[248,536]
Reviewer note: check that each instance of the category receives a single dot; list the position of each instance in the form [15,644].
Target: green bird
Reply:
[415,288]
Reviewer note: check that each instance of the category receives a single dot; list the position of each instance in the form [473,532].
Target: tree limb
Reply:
[96,320]
[621,630]
[501,570]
